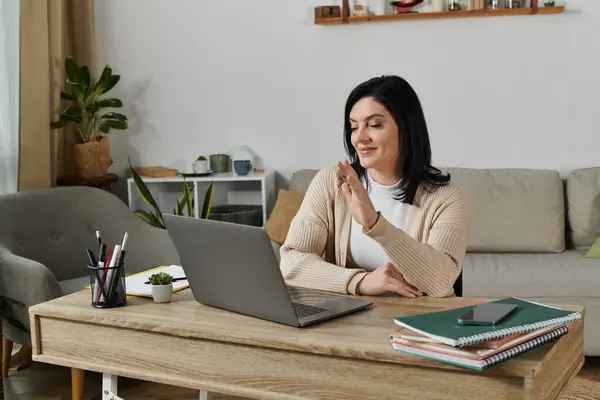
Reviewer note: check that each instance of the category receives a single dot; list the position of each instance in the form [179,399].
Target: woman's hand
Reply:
[386,279]
[358,199]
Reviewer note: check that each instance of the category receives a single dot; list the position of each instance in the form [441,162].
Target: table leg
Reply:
[204,395]
[109,387]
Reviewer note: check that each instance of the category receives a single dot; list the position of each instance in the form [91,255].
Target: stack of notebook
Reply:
[438,336]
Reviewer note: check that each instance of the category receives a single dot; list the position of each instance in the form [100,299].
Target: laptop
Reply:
[234,267]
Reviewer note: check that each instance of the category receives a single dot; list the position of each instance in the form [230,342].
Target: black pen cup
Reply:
[108,286]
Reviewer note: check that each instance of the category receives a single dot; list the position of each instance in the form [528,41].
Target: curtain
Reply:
[50,31]
[9,95]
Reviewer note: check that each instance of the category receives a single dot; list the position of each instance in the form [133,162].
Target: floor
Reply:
[47,382]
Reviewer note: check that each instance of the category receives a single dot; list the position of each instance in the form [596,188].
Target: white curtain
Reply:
[9,95]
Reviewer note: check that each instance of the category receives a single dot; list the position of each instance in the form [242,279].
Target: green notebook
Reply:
[443,326]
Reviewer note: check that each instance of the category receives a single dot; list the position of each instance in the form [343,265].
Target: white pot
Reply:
[201,166]
[162,293]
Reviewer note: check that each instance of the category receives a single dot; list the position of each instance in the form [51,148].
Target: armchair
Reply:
[44,235]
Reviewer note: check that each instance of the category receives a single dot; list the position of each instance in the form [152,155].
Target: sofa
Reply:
[530,232]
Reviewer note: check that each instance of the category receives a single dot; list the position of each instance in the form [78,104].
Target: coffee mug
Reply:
[242,167]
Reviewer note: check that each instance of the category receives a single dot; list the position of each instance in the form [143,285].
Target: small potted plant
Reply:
[201,165]
[162,287]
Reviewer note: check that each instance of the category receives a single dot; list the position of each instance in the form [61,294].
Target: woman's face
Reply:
[374,135]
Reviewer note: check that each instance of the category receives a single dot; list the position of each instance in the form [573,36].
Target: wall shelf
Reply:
[447,14]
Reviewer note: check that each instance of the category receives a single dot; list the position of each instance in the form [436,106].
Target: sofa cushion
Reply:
[301,180]
[285,209]
[513,210]
[567,274]
[583,202]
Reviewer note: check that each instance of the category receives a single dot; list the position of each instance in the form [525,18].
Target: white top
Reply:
[366,252]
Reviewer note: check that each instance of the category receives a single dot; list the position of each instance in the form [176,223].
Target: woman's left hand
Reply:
[358,199]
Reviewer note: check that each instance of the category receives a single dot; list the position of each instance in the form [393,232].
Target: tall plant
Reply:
[85,113]
[154,217]
[7,313]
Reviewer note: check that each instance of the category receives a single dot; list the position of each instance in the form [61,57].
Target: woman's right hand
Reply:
[386,279]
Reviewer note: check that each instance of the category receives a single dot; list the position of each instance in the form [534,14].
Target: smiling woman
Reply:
[9,95]
[386,220]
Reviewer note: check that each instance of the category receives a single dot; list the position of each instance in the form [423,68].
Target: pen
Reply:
[122,253]
[92,259]
[102,254]
[99,238]
[173,280]
[116,275]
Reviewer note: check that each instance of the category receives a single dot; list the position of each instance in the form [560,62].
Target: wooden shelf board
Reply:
[447,14]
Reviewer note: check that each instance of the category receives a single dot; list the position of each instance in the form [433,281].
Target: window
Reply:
[9,95]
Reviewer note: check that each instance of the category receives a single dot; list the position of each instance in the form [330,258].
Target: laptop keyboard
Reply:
[304,310]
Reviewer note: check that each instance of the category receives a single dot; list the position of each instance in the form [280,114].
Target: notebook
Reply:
[443,326]
[136,283]
[476,353]
[486,363]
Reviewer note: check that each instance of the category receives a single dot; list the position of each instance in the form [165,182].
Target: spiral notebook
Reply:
[443,327]
[486,363]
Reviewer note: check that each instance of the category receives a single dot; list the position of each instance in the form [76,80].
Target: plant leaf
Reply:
[180,205]
[112,103]
[114,115]
[77,89]
[110,83]
[150,218]
[61,123]
[190,199]
[86,79]
[67,96]
[112,123]
[145,194]
[206,205]
[74,112]
[72,70]
[102,81]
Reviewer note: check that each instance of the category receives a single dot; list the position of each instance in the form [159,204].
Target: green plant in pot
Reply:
[186,202]
[162,287]
[7,313]
[86,114]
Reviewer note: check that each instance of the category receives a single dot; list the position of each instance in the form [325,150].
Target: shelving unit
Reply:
[257,188]
[346,19]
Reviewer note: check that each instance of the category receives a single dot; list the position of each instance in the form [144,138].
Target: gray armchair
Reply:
[44,235]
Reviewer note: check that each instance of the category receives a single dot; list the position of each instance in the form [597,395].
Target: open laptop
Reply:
[234,267]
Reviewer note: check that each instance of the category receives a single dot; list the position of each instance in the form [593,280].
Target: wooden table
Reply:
[187,344]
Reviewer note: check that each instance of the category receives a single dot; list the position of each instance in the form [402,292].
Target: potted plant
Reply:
[91,151]
[7,313]
[154,216]
[201,165]
[162,287]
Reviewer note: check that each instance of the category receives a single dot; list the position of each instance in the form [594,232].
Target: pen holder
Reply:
[108,286]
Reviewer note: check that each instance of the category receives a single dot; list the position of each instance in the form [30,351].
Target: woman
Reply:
[387,221]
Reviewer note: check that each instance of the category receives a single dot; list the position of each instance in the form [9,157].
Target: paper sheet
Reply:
[136,285]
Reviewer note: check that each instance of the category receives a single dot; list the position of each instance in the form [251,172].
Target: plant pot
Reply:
[162,293]
[92,159]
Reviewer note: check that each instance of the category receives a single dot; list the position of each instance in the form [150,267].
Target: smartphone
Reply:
[487,314]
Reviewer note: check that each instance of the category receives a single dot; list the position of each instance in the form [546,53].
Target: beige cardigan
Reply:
[429,254]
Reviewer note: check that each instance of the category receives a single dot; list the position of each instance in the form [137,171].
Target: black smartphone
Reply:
[487,314]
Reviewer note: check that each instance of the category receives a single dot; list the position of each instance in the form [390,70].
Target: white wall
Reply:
[202,76]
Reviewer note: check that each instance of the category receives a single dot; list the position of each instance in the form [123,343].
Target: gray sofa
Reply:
[530,230]
[44,235]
